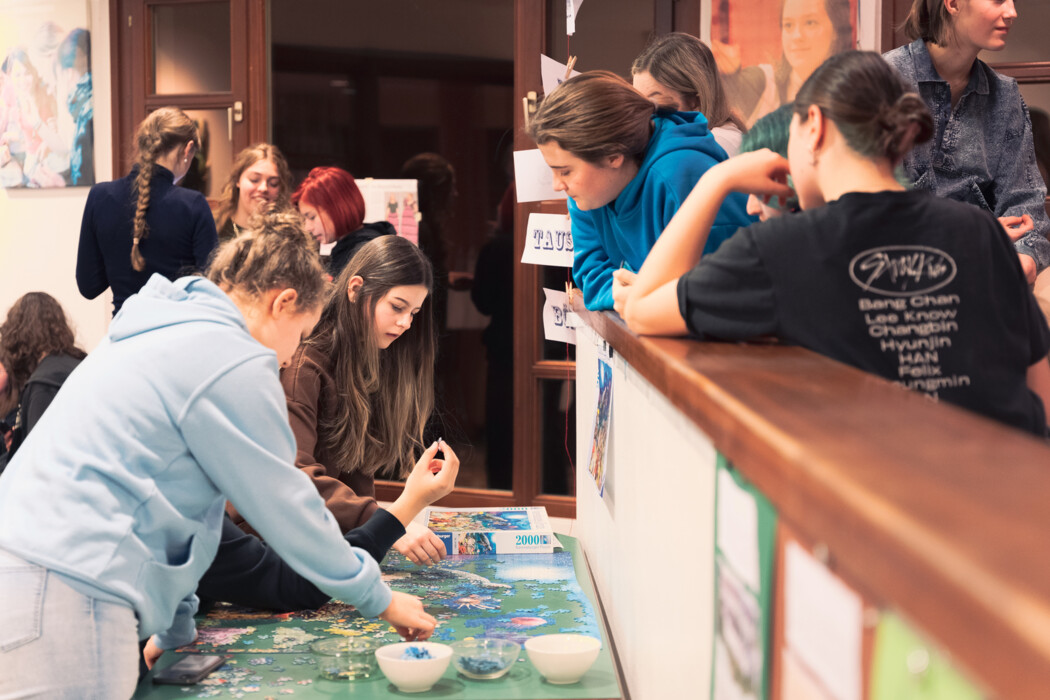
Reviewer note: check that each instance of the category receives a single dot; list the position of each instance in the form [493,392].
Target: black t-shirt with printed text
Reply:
[925,292]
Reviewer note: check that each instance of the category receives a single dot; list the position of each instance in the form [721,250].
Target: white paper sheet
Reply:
[395,201]
[738,530]
[552,73]
[533,180]
[572,9]
[823,623]
[555,309]
[548,240]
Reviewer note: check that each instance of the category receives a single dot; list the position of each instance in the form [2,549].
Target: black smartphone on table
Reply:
[189,669]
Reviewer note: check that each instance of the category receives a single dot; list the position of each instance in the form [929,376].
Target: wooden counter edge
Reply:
[975,580]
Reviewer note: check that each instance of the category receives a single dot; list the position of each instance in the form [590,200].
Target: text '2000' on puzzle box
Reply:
[516,530]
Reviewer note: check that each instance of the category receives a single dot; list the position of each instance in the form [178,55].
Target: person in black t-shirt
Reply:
[925,292]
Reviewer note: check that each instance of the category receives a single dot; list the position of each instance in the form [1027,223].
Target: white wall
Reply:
[39,229]
[650,547]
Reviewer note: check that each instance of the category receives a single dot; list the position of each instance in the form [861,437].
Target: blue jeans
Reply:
[58,643]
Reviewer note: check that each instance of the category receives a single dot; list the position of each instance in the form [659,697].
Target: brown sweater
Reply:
[310,390]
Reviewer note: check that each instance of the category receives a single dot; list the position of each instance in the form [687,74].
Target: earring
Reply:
[813,158]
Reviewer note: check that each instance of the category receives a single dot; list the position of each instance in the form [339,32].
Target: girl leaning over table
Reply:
[820,278]
[112,509]
[361,388]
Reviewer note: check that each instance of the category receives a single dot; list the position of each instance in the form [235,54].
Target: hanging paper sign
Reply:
[533,181]
[548,240]
[572,9]
[556,319]
[553,73]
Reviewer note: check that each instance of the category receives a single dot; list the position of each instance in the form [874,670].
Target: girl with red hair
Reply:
[333,212]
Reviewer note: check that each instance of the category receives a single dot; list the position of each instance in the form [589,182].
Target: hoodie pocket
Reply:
[22,614]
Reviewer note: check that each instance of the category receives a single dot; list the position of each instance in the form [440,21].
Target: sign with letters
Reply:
[559,322]
[548,240]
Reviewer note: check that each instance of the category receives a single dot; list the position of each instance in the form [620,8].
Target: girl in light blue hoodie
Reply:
[112,509]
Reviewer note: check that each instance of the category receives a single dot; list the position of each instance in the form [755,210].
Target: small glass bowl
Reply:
[484,658]
[345,658]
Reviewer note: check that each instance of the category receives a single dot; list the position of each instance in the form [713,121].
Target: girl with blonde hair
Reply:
[677,71]
[982,151]
[259,180]
[112,509]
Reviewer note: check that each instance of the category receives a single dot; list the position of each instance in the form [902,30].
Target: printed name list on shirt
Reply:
[908,318]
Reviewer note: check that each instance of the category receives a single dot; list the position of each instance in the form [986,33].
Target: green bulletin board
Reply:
[745,543]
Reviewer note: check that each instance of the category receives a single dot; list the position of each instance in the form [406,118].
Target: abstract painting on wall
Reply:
[46,105]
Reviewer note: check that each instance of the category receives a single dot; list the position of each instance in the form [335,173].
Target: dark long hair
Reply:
[385,396]
[36,326]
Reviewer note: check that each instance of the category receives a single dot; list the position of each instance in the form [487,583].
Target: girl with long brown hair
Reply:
[142,223]
[361,388]
[38,351]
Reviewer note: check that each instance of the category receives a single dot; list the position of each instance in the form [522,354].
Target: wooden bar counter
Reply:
[925,509]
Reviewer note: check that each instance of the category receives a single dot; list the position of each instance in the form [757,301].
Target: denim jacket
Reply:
[981,152]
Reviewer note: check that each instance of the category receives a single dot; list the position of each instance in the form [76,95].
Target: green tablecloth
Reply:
[514,596]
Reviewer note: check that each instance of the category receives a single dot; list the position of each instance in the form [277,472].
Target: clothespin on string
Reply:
[568,67]
[528,106]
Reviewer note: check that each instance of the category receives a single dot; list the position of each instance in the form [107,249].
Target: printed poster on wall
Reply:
[393,201]
[47,136]
[602,414]
[765,49]
[745,546]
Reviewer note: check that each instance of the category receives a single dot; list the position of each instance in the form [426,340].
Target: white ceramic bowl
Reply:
[414,675]
[562,658]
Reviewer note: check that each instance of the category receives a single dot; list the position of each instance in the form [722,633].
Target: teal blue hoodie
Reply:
[121,486]
[680,150]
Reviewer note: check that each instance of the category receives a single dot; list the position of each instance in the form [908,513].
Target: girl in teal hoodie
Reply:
[112,509]
[626,171]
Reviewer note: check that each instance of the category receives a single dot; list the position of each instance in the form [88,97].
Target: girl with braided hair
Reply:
[142,223]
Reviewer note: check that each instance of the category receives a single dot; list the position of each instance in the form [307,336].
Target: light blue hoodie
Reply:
[680,150]
[121,486]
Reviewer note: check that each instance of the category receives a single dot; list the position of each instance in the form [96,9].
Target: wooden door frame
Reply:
[130,58]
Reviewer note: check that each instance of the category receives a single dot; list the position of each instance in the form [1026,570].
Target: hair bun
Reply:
[904,123]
